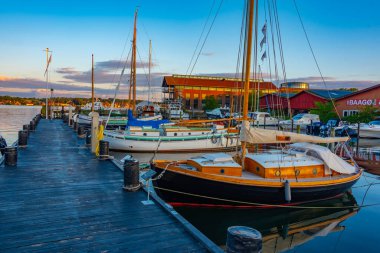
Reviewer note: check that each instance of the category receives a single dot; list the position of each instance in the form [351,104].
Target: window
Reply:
[347,113]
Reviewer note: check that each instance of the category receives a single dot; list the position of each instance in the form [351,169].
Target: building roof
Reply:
[334,94]
[211,81]
[325,94]
[360,91]
[282,94]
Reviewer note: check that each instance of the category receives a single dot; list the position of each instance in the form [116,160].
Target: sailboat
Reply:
[298,173]
[144,135]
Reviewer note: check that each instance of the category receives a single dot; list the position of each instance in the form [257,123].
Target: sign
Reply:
[363,102]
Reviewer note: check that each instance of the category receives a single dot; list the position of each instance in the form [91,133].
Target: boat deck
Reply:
[61,198]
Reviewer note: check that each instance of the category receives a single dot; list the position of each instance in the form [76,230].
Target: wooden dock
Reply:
[60,198]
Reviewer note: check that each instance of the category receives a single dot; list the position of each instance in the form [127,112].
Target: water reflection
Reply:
[282,229]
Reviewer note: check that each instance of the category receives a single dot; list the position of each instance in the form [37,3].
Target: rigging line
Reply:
[208,33]
[314,57]
[279,38]
[200,37]
[262,204]
[117,88]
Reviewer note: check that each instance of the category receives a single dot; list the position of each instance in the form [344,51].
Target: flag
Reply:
[264,56]
[48,63]
[263,41]
[264,30]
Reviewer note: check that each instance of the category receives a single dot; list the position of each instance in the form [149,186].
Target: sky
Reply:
[344,36]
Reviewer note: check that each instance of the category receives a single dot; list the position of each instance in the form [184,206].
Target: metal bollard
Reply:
[26,128]
[11,156]
[32,126]
[22,138]
[88,137]
[81,131]
[243,239]
[131,175]
[103,149]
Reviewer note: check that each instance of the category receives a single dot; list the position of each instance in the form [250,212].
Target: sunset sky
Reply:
[345,36]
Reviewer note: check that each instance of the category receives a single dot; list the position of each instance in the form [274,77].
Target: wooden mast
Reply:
[247,69]
[150,63]
[133,65]
[92,85]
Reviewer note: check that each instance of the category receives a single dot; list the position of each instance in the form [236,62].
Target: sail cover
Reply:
[265,136]
[132,121]
[330,159]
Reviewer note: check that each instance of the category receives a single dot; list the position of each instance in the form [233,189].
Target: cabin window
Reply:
[189,133]
[144,134]
[257,169]
[222,171]
[175,134]
[203,133]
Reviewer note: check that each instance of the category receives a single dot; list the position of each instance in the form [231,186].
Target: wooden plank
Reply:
[61,198]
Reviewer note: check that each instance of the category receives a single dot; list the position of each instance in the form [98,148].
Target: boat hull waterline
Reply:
[174,187]
[171,144]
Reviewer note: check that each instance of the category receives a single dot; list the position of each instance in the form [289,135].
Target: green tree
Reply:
[325,111]
[210,103]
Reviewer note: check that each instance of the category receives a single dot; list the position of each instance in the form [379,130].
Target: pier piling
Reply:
[243,239]
[131,175]
[11,156]
[22,138]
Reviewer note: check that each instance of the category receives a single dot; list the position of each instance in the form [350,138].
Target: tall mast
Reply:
[133,64]
[92,85]
[247,69]
[150,64]
[47,82]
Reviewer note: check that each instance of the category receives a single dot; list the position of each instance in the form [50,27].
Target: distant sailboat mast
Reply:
[92,85]
[150,64]
[48,60]
[132,84]
[247,70]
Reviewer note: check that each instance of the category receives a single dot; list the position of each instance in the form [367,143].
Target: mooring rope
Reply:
[266,205]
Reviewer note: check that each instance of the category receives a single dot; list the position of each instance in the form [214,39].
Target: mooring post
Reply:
[22,138]
[70,115]
[131,175]
[103,149]
[11,156]
[26,128]
[94,130]
[243,239]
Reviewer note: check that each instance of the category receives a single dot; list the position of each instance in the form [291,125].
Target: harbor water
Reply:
[350,223]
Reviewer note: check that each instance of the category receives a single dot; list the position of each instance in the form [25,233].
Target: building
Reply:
[352,103]
[194,89]
[293,87]
[302,101]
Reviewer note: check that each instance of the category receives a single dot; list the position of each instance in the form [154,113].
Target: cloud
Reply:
[117,64]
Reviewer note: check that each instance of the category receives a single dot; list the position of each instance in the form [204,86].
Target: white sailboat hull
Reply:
[170,144]
[370,133]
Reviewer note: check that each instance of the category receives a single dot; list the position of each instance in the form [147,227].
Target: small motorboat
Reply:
[303,120]
[263,118]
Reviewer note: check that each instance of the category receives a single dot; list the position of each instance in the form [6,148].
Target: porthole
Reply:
[175,134]
[222,171]
[277,173]
[189,133]
[144,134]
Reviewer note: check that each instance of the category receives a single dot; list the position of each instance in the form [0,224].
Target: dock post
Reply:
[243,239]
[131,175]
[292,126]
[103,149]
[70,115]
[11,156]
[81,132]
[26,128]
[32,126]
[22,138]
[94,131]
